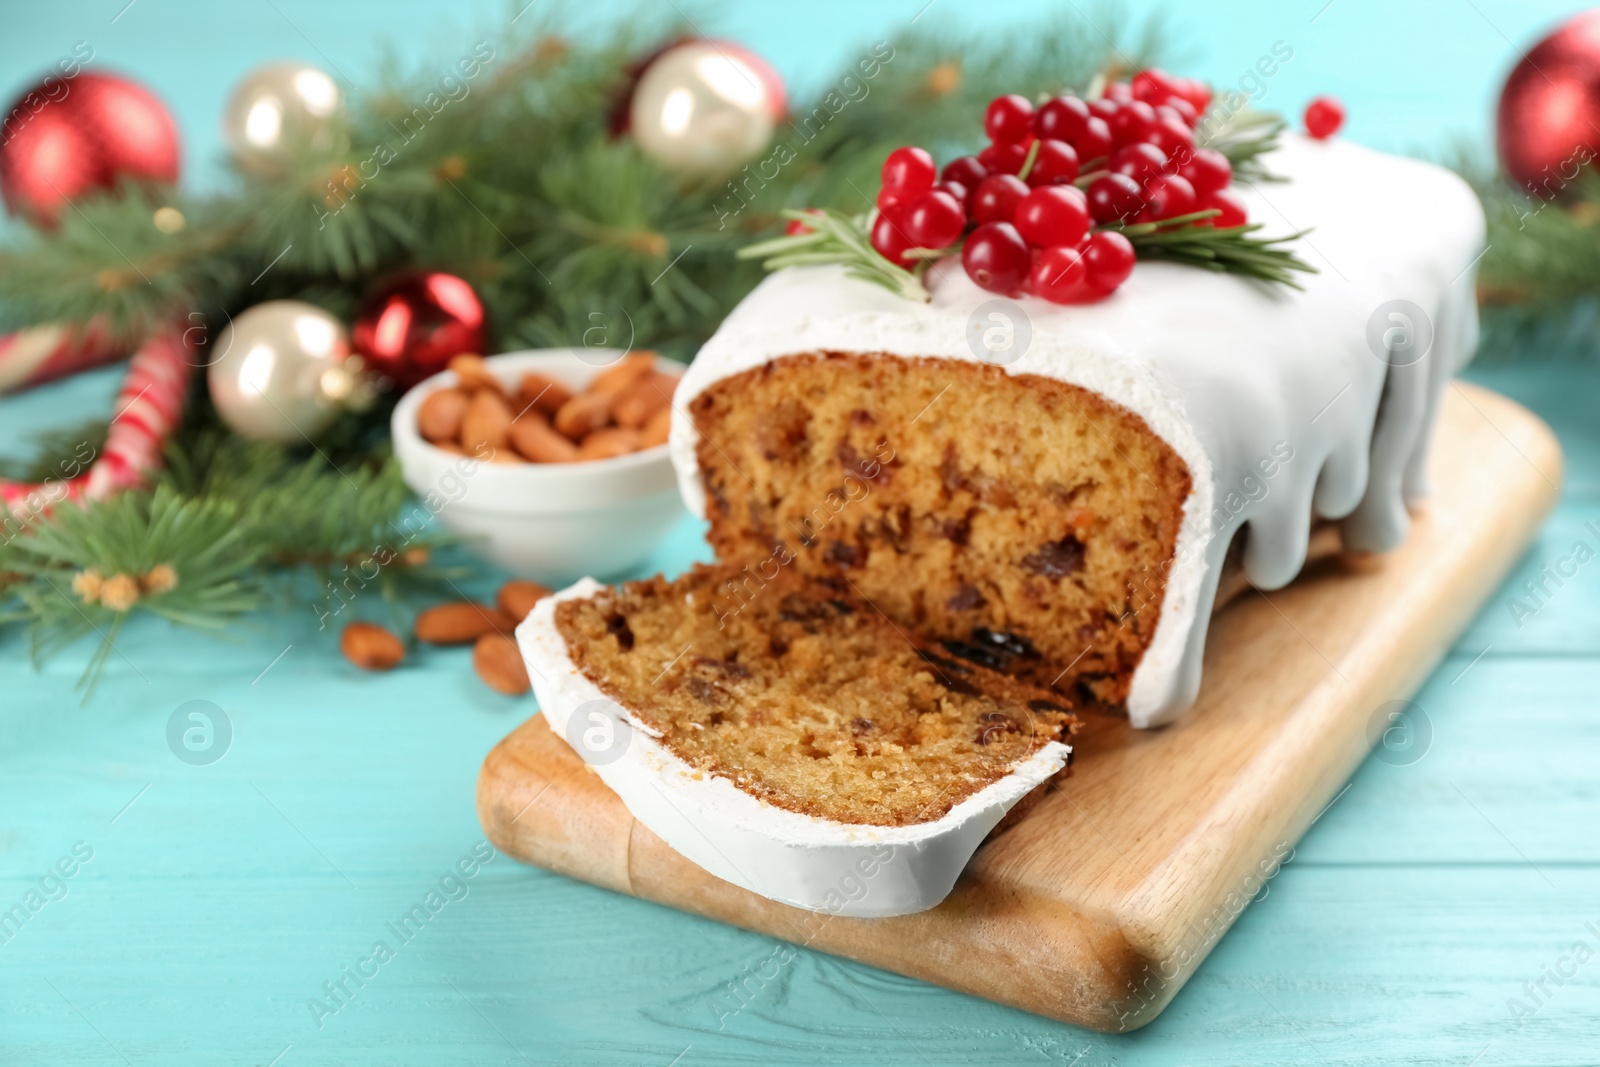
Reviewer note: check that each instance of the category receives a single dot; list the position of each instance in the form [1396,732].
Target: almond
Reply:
[499,664]
[371,647]
[485,423]
[604,444]
[458,622]
[584,414]
[616,378]
[518,596]
[439,415]
[472,374]
[532,436]
[657,430]
[644,398]
[543,394]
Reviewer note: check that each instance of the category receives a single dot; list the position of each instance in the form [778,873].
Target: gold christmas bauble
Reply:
[280,108]
[705,108]
[282,371]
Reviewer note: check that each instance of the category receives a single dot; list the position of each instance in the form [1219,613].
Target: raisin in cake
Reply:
[1055,488]
[798,745]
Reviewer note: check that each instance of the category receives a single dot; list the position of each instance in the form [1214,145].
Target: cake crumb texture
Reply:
[1025,523]
[806,699]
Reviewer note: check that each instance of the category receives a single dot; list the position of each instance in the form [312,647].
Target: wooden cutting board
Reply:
[1097,905]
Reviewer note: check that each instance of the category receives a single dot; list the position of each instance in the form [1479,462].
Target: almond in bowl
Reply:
[552,464]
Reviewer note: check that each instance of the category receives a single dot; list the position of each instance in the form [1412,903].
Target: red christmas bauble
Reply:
[1549,118]
[411,326]
[68,136]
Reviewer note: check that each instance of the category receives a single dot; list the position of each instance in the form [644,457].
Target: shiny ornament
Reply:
[411,326]
[70,136]
[283,371]
[1549,116]
[279,109]
[705,107]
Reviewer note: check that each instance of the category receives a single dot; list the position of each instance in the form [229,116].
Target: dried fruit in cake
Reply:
[1021,516]
[805,697]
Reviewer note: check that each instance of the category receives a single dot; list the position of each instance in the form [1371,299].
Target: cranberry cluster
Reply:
[1127,157]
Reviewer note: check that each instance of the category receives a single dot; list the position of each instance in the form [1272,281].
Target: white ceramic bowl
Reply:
[553,522]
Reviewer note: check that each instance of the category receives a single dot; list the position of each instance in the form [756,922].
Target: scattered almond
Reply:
[533,437]
[544,395]
[604,444]
[371,647]
[458,622]
[499,664]
[518,596]
[486,421]
[473,374]
[584,414]
[616,378]
[644,398]
[657,430]
[439,415]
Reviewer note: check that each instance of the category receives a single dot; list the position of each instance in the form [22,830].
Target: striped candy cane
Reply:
[148,408]
[43,353]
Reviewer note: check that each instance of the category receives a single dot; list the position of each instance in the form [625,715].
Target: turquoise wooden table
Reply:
[1442,911]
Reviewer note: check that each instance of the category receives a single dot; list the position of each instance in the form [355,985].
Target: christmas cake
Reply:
[966,470]
[1078,487]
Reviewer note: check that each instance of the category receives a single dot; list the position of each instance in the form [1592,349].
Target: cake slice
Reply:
[791,740]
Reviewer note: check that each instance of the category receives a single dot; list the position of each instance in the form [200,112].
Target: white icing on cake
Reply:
[812,863]
[1229,372]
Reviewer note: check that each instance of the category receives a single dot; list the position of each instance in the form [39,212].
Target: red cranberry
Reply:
[1102,108]
[1058,275]
[997,197]
[1167,196]
[1207,170]
[1181,108]
[1152,86]
[1094,142]
[1003,158]
[962,194]
[1108,258]
[1324,116]
[1132,122]
[1056,163]
[1141,162]
[797,227]
[996,257]
[1119,92]
[1061,118]
[1009,119]
[1175,139]
[1113,197]
[935,220]
[966,170]
[1053,215]
[1230,203]
[908,172]
[889,238]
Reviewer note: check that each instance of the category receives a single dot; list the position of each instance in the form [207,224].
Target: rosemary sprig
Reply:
[839,238]
[1244,138]
[1233,250]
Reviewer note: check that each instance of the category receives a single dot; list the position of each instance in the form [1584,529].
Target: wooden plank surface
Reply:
[1100,903]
